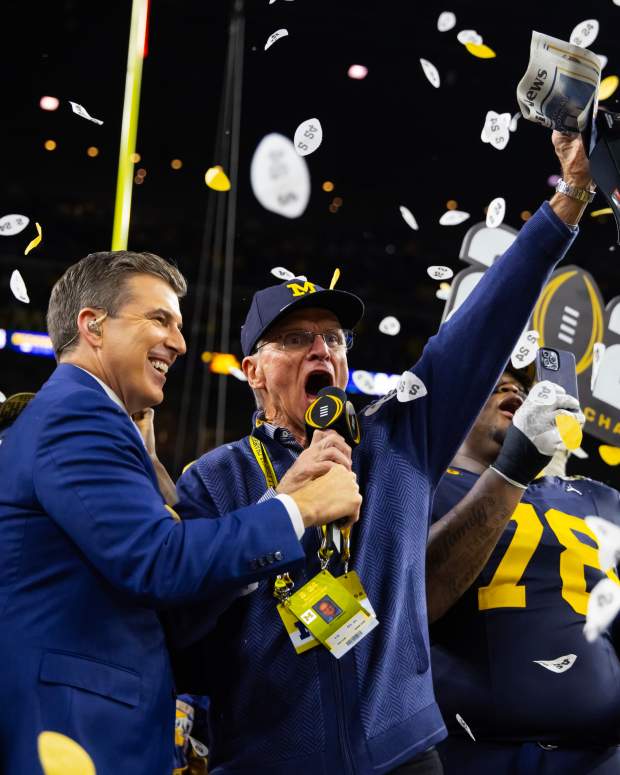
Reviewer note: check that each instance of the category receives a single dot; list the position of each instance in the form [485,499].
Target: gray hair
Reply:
[100,281]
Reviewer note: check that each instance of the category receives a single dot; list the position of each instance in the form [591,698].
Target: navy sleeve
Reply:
[91,480]
[452,488]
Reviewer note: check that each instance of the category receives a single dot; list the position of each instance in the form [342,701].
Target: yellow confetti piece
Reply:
[335,278]
[480,50]
[603,211]
[611,455]
[608,87]
[216,178]
[33,243]
[60,755]
[570,431]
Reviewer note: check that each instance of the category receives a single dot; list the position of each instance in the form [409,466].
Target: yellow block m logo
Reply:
[300,290]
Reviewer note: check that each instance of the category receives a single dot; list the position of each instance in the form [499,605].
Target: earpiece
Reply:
[93,325]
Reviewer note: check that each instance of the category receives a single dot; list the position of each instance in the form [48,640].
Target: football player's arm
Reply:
[461,542]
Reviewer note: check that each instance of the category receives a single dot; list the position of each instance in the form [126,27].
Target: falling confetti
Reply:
[34,242]
[12,224]
[364,381]
[216,178]
[279,176]
[580,453]
[480,50]
[603,60]
[60,755]
[2,397]
[570,430]
[513,122]
[443,292]
[453,217]
[410,387]
[608,537]
[609,454]
[308,136]
[282,274]
[275,36]
[496,212]
[598,350]
[603,211]
[603,607]
[18,286]
[408,217]
[608,87]
[496,129]
[465,726]
[357,72]
[446,21]
[430,71]
[585,33]
[525,350]
[390,326]
[236,372]
[80,111]
[469,36]
[559,664]
[440,272]
[335,278]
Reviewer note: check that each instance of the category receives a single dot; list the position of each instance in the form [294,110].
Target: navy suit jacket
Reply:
[88,556]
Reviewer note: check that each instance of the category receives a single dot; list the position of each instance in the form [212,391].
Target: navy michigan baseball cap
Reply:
[273,303]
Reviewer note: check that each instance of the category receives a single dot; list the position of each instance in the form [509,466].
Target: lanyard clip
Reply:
[345,553]
[326,548]
[282,587]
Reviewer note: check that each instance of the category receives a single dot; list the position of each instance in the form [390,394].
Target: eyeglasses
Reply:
[296,341]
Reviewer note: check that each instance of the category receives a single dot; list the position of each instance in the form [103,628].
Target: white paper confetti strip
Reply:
[513,122]
[80,111]
[453,217]
[308,136]
[580,453]
[275,36]
[364,381]
[598,351]
[235,372]
[431,72]
[608,537]
[585,33]
[496,212]
[282,274]
[279,176]
[496,129]
[2,397]
[440,272]
[559,664]
[12,224]
[408,217]
[389,325]
[469,36]
[525,350]
[465,726]
[603,607]
[18,286]
[446,21]
[410,387]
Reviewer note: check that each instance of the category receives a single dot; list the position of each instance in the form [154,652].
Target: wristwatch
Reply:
[584,195]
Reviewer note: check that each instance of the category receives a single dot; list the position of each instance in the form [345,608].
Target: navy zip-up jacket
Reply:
[276,712]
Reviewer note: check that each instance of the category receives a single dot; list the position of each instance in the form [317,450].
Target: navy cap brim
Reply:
[347,307]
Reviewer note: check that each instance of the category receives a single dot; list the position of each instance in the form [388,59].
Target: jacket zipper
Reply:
[342,727]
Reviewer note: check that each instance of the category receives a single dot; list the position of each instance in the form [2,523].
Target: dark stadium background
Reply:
[390,139]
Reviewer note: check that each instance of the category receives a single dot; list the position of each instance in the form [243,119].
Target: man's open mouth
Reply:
[316,381]
[510,405]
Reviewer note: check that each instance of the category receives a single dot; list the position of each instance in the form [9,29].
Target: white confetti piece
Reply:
[580,453]
[13,224]
[603,60]
[603,607]
[308,136]
[357,72]
[496,129]
[235,372]
[513,122]
[453,217]
[282,274]
[469,36]
[446,21]
[279,176]
[2,397]
[440,272]
[559,665]
[410,387]
[80,111]
[443,292]
[18,286]
[408,217]
[390,326]
[585,33]
[465,726]
[525,350]
[598,351]
[431,72]
[543,394]
[275,36]
[608,537]
[496,212]
[363,381]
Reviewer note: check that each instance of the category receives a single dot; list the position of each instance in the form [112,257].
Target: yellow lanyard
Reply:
[262,458]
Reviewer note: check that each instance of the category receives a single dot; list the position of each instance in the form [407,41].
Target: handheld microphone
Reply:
[331,410]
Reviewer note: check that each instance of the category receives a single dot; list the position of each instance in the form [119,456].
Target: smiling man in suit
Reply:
[89,550]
